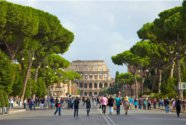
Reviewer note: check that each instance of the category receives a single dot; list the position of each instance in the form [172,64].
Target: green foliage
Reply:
[18,82]
[126,78]
[7,73]
[169,88]
[56,61]
[71,75]
[27,32]
[42,91]
[116,77]
[3,99]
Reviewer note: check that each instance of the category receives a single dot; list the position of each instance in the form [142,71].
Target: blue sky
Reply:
[102,28]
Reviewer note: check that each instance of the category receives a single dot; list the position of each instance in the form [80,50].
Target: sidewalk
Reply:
[16,110]
[160,109]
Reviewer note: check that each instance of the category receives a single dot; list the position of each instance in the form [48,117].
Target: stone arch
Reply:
[81,85]
[90,85]
[105,85]
[100,85]
[95,85]
[85,85]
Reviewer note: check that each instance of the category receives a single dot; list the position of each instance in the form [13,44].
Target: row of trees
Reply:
[161,51]
[30,43]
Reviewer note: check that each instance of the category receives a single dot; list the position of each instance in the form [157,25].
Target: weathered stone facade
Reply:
[59,89]
[94,76]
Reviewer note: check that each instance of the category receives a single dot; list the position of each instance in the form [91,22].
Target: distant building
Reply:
[58,89]
[94,76]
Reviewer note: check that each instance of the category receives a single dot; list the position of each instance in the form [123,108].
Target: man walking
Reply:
[88,105]
[104,102]
[178,107]
[58,107]
[76,107]
[110,104]
[118,103]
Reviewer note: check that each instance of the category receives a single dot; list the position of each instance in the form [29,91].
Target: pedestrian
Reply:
[178,106]
[25,103]
[184,104]
[88,105]
[126,105]
[52,103]
[154,103]
[58,106]
[118,103]
[110,104]
[166,104]
[104,102]
[140,103]
[76,107]
[149,104]
[135,103]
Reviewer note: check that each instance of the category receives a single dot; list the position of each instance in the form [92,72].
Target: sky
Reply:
[102,28]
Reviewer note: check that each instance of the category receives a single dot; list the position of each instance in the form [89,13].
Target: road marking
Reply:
[104,116]
[113,123]
[107,118]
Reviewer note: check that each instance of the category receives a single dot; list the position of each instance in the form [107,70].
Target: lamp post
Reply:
[143,80]
[179,74]
[32,58]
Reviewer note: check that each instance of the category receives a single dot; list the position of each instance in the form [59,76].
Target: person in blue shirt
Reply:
[118,103]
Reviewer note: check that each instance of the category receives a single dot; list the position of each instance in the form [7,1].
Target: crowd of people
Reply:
[113,103]
[141,103]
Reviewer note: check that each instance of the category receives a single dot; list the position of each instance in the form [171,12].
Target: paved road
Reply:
[135,117]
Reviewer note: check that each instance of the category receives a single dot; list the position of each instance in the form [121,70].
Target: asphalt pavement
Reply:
[135,117]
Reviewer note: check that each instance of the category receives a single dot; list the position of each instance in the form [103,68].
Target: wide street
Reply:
[135,117]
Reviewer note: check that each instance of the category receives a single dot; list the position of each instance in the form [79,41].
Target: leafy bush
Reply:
[3,99]
[168,89]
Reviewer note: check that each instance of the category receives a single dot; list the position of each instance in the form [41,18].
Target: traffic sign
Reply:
[182,85]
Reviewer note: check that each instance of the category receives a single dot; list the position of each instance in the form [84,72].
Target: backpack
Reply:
[58,105]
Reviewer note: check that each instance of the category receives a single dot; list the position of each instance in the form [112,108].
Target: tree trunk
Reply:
[172,68]
[12,55]
[159,80]
[35,78]
[179,67]
[36,73]
[179,78]
[136,85]
[154,81]
[26,79]
[142,85]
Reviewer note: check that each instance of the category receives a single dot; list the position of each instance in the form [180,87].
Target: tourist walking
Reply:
[118,103]
[88,105]
[58,106]
[76,107]
[166,104]
[110,104]
[126,105]
[178,106]
[104,102]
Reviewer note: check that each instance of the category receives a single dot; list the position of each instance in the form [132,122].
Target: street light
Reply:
[143,80]
[32,58]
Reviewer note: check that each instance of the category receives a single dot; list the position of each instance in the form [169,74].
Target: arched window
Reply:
[106,85]
[85,85]
[100,85]
[81,85]
[90,93]
[90,85]
[95,85]
[95,93]
[85,93]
